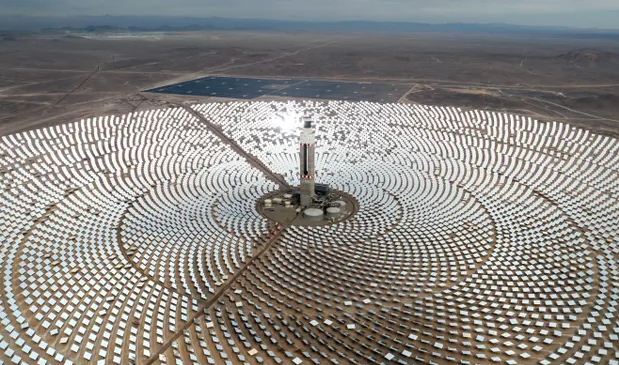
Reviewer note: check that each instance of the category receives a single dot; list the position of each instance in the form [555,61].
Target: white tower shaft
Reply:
[307,146]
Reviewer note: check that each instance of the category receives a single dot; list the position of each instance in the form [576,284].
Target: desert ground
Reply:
[49,79]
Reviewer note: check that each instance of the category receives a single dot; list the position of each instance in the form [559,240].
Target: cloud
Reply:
[594,13]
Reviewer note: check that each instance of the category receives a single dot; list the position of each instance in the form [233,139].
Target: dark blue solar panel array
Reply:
[250,88]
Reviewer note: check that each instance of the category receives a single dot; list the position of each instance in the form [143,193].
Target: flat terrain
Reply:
[137,238]
[52,79]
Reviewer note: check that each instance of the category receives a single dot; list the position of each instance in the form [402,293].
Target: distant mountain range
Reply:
[11,24]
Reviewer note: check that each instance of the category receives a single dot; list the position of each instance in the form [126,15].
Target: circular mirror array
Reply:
[479,237]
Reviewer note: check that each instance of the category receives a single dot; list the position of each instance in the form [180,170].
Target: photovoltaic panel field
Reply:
[250,88]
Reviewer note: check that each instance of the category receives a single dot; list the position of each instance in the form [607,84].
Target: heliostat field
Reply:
[480,238]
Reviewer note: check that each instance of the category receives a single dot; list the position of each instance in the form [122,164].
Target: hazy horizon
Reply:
[601,14]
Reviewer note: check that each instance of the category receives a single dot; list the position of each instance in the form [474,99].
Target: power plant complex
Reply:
[311,203]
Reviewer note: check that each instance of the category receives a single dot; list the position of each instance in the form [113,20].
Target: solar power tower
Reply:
[307,144]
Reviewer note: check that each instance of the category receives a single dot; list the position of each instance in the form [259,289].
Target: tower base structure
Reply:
[286,207]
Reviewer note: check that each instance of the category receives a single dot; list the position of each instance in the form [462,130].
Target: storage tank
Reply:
[333,212]
[313,213]
[268,202]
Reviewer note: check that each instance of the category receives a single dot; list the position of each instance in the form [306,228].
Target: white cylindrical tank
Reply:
[339,203]
[288,196]
[313,213]
[277,200]
[268,202]
[333,212]
[287,203]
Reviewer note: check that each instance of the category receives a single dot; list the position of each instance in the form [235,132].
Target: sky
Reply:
[576,13]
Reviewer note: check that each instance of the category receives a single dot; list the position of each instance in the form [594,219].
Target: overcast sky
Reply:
[578,13]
